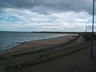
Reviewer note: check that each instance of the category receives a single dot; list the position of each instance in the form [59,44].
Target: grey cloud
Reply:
[46,6]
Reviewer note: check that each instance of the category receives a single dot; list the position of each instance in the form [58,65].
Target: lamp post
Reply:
[85,28]
[92,39]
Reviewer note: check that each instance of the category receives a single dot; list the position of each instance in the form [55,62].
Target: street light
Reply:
[92,39]
[85,28]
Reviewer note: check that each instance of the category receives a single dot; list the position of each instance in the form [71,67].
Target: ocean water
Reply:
[11,39]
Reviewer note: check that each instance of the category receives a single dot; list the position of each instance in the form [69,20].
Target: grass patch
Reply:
[42,60]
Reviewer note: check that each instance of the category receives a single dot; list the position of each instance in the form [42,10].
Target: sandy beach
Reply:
[39,44]
[50,55]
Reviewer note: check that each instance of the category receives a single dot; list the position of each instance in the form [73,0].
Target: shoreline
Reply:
[20,42]
[38,42]
[10,43]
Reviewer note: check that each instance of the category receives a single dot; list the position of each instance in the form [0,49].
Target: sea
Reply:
[10,39]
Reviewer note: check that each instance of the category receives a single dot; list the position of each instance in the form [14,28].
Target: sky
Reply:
[45,15]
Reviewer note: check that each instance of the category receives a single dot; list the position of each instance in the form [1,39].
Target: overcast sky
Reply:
[45,15]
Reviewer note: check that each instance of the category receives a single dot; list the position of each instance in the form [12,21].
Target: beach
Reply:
[46,53]
[39,44]
[10,39]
